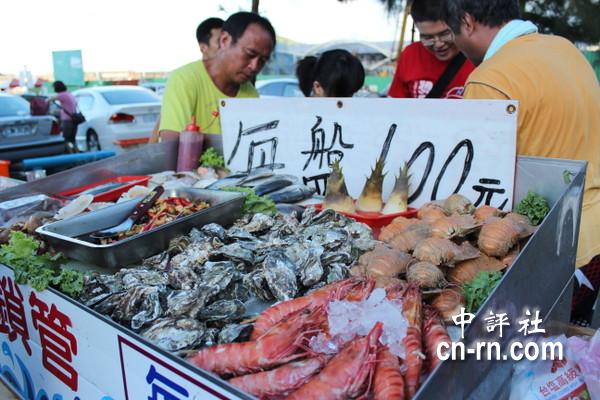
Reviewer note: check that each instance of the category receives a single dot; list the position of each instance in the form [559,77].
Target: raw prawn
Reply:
[280,381]
[388,382]
[319,297]
[277,346]
[412,311]
[434,334]
[348,374]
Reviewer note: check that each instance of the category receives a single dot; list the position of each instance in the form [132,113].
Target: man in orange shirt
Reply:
[557,90]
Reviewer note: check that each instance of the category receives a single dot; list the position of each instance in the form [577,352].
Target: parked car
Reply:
[115,113]
[281,87]
[38,104]
[156,87]
[25,136]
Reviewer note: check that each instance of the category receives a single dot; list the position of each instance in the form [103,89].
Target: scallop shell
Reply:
[75,207]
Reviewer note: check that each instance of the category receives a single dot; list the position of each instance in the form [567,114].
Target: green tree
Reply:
[577,20]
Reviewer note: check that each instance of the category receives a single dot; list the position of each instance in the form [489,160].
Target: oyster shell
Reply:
[259,223]
[256,282]
[190,302]
[139,276]
[237,233]
[214,230]
[138,306]
[182,278]
[218,274]
[337,272]
[311,270]
[234,252]
[235,333]
[97,288]
[223,310]
[280,273]
[174,334]
[210,337]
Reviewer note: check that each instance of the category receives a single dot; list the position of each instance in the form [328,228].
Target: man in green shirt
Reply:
[245,45]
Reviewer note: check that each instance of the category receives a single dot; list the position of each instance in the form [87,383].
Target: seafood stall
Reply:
[241,299]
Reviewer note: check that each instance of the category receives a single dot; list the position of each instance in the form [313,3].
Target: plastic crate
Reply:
[111,194]
[376,221]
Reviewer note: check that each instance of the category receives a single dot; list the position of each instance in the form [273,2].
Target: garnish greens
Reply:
[211,159]
[38,270]
[253,203]
[534,206]
[478,290]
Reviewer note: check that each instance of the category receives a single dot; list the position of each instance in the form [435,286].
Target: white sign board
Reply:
[54,348]
[465,146]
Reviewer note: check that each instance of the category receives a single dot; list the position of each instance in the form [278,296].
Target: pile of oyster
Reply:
[209,284]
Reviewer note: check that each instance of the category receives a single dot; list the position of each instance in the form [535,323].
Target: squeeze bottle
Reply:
[190,147]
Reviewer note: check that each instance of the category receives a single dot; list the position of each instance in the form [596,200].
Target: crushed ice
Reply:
[348,319]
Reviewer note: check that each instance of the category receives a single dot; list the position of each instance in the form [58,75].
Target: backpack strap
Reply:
[449,73]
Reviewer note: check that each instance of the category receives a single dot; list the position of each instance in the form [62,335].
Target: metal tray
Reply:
[225,209]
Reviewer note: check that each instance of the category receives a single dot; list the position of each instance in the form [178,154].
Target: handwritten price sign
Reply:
[464,146]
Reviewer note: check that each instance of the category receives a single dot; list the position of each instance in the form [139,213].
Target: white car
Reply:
[280,87]
[115,113]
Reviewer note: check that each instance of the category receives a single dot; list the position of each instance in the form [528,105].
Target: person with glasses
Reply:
[432,67]
[245,45]
[557,89]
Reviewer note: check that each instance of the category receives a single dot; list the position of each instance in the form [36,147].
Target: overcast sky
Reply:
[159,35]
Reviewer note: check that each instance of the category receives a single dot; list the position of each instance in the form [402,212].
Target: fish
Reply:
[291,194]
[273,184]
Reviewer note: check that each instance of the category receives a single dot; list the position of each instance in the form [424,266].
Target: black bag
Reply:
[77,118]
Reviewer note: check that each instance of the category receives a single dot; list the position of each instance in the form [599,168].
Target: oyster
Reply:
[98,287]
[182,278]
[311,270]
[331,239]
[223,310]
[256,282]
[235,333]
[190,302]
[195,254]
[235,291]
[280,273]
[340,257]
[237,233]
[139,276]
[138,306]
[159,262]
[234,252]
[218,274]
[210,337]
[214,230]
[337,272]
[178,245]
[175,334]
[259,223]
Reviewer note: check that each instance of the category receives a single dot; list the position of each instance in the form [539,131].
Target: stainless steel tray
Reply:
[63,235]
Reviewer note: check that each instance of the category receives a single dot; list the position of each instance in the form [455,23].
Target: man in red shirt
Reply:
[423,63]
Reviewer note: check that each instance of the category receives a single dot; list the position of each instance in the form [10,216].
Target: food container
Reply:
[66,235]
[112,193]
[376,221]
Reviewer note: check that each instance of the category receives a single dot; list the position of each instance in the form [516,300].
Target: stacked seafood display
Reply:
[445,248]
[279,362]
[202,289]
